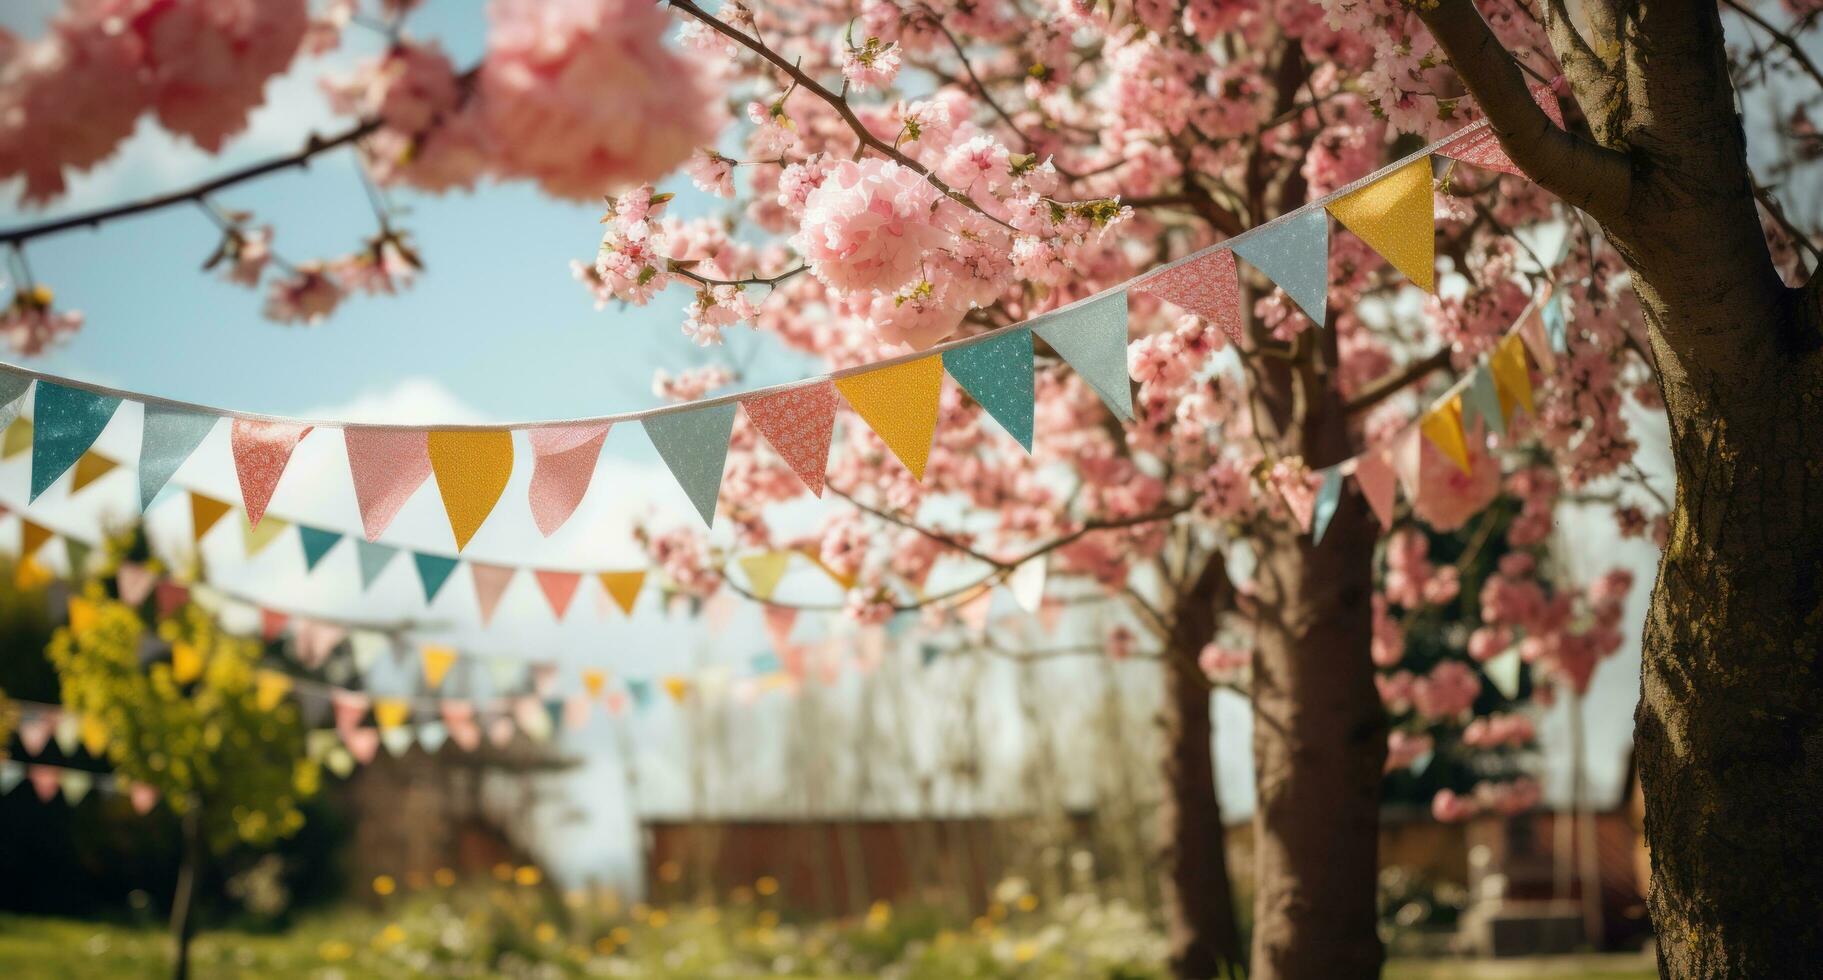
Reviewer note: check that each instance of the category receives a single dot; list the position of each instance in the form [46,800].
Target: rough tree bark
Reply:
[1729,729]
[1319,732]
[183,899]
[1198,897]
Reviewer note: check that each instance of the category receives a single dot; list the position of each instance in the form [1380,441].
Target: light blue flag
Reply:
[1555,326]
[168,438]
[433,572]
[1295,255]
[374,559]
[1329,497]
[695,446]
[1092,338]
[1483,399]
[12,394]
[997,373]
[64,426]
[11,775]
[432,735]
[317,543]
[641,691]
[766,663]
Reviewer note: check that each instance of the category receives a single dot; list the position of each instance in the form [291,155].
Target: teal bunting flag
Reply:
[374,558]
[1092,338]
[766,662]
[65,424]
[167,438]
[997,373]
[433,572]
[694,446]
[1295,255]
[1556,327]
[1482,399]
[641,692]
[1329,498]
[317,543]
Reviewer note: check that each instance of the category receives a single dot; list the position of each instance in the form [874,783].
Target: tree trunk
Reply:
[183,900]
[1319,733]
[1198,897]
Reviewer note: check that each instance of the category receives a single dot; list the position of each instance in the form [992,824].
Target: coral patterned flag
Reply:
[563,463]
[1208,286]
[490,584]
[388,466]
[558,588]
[798,423]
[261,451]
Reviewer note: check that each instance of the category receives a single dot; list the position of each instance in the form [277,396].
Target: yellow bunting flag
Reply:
[816,558]
[900,403]
[623,587]
[31,575]
[257,538]
[270,688]
[764,571]
[204,512]
[594,682]
[1442,425]
[90,467]
[32,537]
[186,663]
[1395,215]
[437,662]
[677,687]
[1512,379]
[17,440]
[472,469]
[94,736]
[390,713]
[82,615]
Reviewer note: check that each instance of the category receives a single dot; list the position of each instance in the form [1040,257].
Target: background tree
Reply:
[189,726]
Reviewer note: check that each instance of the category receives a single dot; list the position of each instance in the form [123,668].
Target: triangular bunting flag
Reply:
[490,584]
[1208,286]
[779,622]
[261,451]
[270,688]
[316,543]
[505,672]
[1396,216]
[65,423]
[1027,584]
[594,682]
[373,560]
[997,374]
[398,741]
[350,709]
[45,780]
[623,587]
[459,718]
[32,536]
[91,467]
[35,733]
[1512,379]
[1374,475]
[1502,671]
[167,437]
[472,469]
[1479,146]
[315,639]
[1329,499]
[1407,459]
[257,538]
[76,784]
[563,462]
[388,466]
[68,733]
[1556,325]
[640,691]
[432,735]
[11,775]
[171,596]
[134,582]
[143,796]
[272,625]
[677,687]
[363,744]
[764,571]
[389,713]
[78,554]
[365,648]
[815,555]
[1442,425]
[1481,399]
[533,718]
[433,572]
[900,404]
[12,392]
[558,588]
[204,512]
[1294,253]
[798,423]
[1532,331]
[1091,337]
[694,446]
[437,661]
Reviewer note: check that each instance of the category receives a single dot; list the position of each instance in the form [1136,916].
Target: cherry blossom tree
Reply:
[901,172]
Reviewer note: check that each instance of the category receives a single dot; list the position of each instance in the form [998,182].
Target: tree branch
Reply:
[1781,38]
[1590,176]
[1386,387]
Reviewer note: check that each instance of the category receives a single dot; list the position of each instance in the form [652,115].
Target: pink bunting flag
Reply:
[261,451]
[544,678]
[388,466]
[490,584]
[779,622]
[1478,145]
[272,624]
[1532,333]
[143,796]
[171,597]
[350,709]
[1407,455]
[500,731]
[616,703]
[459,721]
[563,462]
[315,640]
[1374,475]
[45,780]
[575,713]
[363,743]
[558,588]
[135,582]
[35,733]
[1208,286]
[798,423]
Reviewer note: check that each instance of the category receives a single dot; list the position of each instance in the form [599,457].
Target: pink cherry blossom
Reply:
[307,295]
[868,225]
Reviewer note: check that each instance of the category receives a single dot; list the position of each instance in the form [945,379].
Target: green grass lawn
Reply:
[343,947]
